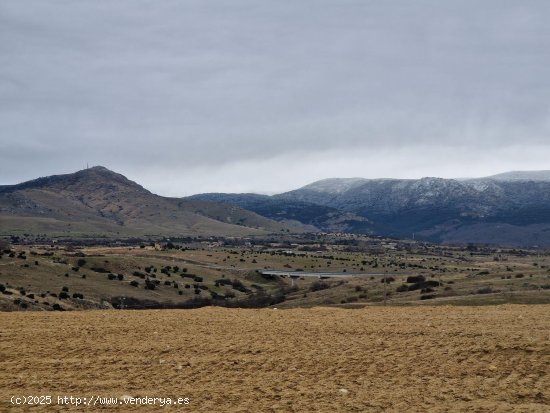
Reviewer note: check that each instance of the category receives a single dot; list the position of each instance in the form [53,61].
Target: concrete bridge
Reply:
[293,275]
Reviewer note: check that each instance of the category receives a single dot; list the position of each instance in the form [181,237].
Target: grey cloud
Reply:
[209,88]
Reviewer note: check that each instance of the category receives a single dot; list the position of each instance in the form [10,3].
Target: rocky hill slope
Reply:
[97,201]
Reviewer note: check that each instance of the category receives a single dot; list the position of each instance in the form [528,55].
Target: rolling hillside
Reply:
[97,202]
[315,216]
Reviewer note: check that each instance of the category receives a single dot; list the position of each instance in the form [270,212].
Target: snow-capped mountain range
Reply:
[511,208]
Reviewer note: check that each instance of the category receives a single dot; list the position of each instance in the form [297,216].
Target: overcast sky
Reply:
[194,96]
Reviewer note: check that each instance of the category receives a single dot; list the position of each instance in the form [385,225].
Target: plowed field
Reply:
[393,359]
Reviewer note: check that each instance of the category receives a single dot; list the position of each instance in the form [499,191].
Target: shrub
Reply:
[78,295]
[416,279]
[402,288]
[63,295]
[120,277]
[99,269]
[239,286]
[421,285]
[485,290]
[57,307]
[427,297]
[111,276]
[319,285]
[134,283]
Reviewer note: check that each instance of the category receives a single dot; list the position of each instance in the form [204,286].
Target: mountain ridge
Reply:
[102,202]
[435,209]
[512,209]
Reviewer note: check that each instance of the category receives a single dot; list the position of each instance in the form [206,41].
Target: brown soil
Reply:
[418,359]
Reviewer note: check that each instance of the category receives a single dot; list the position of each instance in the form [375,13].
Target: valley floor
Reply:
[376,359]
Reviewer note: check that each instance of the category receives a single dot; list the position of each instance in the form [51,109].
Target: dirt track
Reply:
[435,359]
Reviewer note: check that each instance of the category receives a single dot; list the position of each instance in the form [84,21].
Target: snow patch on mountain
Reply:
[335,185]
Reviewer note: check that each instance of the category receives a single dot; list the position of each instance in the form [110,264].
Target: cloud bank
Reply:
[200,96]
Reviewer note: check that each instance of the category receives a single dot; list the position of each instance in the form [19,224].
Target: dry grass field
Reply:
[375,359]
[39,277]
